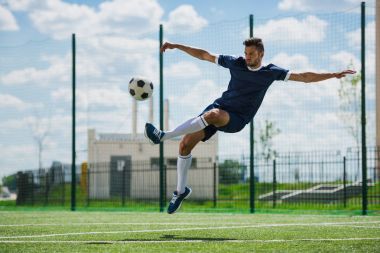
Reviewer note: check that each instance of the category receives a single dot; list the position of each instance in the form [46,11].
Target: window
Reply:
[155,163]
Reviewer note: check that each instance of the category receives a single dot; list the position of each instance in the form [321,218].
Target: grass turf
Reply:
[61,231]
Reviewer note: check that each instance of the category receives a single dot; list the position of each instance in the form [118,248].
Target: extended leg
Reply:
[216,117]
[188,142]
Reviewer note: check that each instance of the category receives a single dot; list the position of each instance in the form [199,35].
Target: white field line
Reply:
[205,241]
[166,223]
[189,229]
[355,226]
[103,223]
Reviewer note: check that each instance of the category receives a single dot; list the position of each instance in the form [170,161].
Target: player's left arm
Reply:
[310,77]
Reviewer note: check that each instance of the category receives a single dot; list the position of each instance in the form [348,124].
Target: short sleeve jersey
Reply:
[247,87]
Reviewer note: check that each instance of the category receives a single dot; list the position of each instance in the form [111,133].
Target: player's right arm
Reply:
[195,52]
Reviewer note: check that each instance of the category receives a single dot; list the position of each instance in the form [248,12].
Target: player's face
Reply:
[253,57]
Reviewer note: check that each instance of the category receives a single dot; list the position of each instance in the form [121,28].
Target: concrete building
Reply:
[128,163]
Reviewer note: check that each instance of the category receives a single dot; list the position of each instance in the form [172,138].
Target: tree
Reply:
[266,135]
[230,172]
[349,95]
[10,182]
[40,131]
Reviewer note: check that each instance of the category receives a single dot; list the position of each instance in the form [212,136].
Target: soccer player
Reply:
[233,110]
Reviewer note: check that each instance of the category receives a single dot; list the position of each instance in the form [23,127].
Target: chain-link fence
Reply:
[118,168]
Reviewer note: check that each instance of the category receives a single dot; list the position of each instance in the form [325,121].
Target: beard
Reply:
[253,64]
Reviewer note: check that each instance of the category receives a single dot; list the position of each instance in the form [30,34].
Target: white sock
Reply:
[191,126]
[183,165]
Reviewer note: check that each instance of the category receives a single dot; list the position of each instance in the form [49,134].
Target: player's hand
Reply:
[165,46]
[344,73]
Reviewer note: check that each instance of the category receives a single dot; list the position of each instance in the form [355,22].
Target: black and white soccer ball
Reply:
[140,88]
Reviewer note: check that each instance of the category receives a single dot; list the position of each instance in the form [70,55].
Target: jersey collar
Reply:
[254,69]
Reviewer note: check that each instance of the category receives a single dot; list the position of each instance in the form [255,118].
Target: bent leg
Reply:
[217,117]
[189,141]
[187,144]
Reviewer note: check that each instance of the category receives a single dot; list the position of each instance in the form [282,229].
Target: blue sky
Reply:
[118,39]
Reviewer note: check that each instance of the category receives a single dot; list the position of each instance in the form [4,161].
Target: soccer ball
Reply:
[140,88]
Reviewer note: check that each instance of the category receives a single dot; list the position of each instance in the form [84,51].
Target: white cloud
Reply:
[117,58]
[24,5]
[293,95]
[292,4]
[57,72]
[310,29]
[192,98]
[184,19]
[13,158]
[182,69]
[38,123]
[354,37]
[9,101]
[60,19]
[7,20]
[201,94]
[95,97]
[296,62]
[320,5]
[343,59]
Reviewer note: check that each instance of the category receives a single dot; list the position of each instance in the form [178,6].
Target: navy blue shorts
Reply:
[236,123]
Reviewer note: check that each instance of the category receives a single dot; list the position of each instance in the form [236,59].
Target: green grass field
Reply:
[64,231]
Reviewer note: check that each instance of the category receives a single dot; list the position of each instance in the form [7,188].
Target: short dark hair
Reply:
[256,42]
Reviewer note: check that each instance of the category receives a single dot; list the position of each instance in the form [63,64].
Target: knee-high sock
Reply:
[191,126]
[183,165]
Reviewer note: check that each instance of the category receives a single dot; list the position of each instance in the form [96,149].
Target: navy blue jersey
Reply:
[247,88]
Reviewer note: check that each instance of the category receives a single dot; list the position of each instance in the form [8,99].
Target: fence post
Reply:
[252,142]
[63,186]
[344,183]
[161,160]
[32,188]
[215,182]
[73,151]
[363,115]
[46,189]
[123,187]
[274,183]
[88,185]
[165,183]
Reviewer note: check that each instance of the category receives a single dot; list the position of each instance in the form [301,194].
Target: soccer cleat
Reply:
[177,199]
[153,134]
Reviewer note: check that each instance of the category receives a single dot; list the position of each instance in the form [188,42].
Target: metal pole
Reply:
[88,185]
[252,146]
[123,186]
[162,192]
[215,182]
[344,183]
[377,71]
[363,115]
[73,151]
[274,183]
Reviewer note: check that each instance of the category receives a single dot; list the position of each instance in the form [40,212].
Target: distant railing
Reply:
[313,180]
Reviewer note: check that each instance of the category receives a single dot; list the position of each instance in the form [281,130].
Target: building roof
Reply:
[123,137]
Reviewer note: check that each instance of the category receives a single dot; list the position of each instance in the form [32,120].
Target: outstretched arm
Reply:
[309,77]
[195,52]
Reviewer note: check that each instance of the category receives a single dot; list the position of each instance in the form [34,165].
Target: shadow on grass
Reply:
[179,238]
[167,238]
